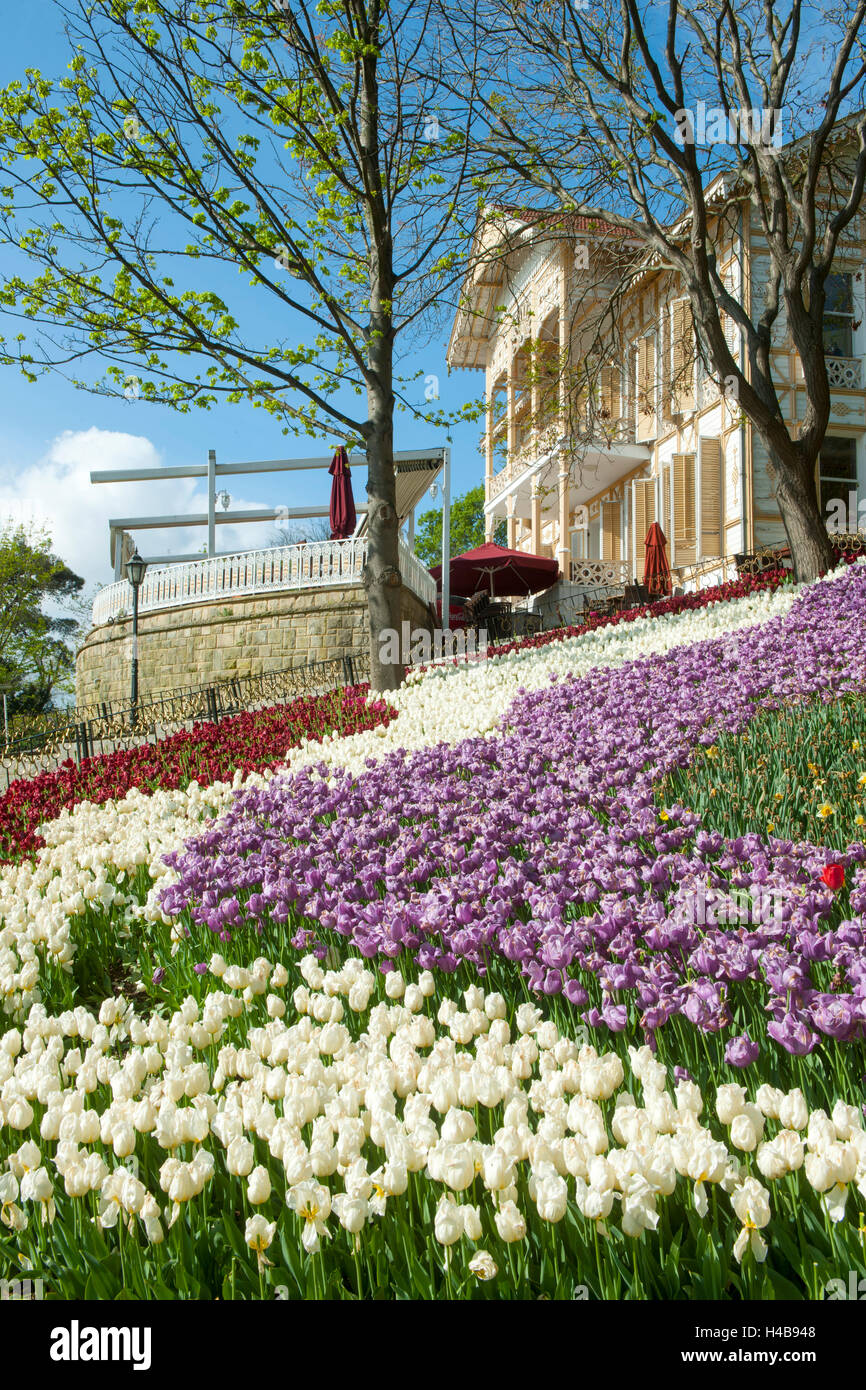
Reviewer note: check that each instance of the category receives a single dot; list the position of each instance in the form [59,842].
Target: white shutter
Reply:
[643,511]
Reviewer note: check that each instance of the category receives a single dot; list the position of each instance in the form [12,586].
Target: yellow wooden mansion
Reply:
[581,481]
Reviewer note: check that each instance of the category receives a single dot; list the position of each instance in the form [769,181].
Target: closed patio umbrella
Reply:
[342,511]
[656,570]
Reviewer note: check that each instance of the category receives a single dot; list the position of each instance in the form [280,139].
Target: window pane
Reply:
[839,294]
[833,492]
[838,336]
[838,458]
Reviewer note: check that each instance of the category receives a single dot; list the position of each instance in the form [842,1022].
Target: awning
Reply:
[414,474]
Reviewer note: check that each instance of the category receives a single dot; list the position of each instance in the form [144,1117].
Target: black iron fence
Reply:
[769,557]
[38,742]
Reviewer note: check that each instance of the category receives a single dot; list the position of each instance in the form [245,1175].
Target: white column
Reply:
[211,502]
[535,521]
[446,538]
[564,552]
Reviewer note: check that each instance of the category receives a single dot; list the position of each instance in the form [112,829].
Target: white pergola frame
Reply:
[213,470]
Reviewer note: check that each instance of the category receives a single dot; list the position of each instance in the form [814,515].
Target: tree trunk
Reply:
[382,578]
[809,541]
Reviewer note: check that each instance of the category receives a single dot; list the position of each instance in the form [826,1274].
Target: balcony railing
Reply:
[283,568]
[500,480]
[845,373]
[599,573]
[607,434]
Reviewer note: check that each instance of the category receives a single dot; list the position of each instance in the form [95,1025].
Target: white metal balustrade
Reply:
[279,569]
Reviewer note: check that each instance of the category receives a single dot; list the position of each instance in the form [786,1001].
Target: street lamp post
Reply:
[7,690]
[135,568]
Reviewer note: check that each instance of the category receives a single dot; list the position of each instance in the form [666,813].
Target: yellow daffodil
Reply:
[825,810]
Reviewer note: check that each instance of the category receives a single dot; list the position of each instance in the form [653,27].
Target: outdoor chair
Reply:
[632,598]
[524,624]
[500,626]
[599,600]
[610,604]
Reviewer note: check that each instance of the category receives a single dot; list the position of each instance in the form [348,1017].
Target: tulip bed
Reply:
[207,753]
[794,773]
[488,1000]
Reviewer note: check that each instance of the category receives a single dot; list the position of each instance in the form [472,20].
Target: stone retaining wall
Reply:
[245,636]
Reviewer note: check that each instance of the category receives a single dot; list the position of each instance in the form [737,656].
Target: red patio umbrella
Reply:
[656,570]
[342,513]
[501,573]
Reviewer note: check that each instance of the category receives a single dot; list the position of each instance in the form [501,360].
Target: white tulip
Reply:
[448,1222]
[240,1157]
[550,1194]
[793,1110]
[509,1223]
[351,1212]
[472,1228]
[483,1266]
[259,1233]
[730,1100]
[258,1186]
[747,1128]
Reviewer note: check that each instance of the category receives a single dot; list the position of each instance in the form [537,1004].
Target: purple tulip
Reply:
[794,1035]
[741,1051]
[541,845]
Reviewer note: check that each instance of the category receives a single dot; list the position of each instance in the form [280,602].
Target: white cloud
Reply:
[57,493]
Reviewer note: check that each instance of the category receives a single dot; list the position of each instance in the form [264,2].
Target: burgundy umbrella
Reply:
[656,570]
[501,573]
[342,513]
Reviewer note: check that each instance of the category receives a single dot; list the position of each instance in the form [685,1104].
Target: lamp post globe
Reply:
[135,570]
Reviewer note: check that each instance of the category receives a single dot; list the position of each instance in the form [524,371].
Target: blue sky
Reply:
[52,434]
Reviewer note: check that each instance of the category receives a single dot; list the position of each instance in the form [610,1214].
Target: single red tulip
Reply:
[834,876]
